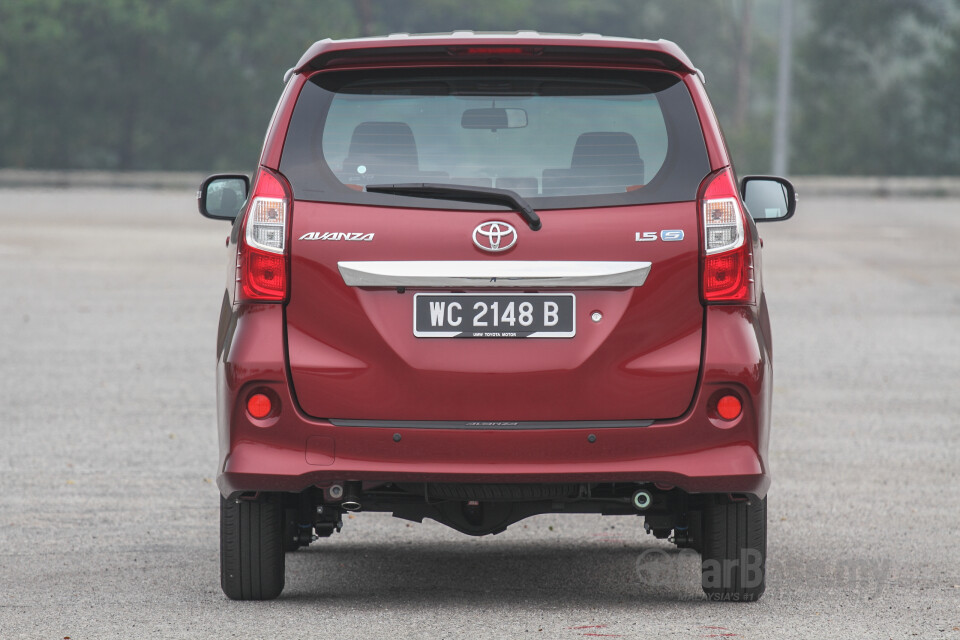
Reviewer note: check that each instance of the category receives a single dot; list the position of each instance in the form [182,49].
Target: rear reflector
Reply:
[259,405]
[729,407]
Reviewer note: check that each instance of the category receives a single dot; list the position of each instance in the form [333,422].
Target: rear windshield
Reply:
[559,138]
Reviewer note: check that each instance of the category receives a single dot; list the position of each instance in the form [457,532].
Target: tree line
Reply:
[184,85]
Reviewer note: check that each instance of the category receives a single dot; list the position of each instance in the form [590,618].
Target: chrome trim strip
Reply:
[493,273]
[490,426]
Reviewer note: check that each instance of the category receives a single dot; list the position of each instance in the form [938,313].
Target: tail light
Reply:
[261,258]
[728,254]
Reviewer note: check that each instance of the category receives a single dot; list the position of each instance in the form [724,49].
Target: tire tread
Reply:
[251,548]
[731,528]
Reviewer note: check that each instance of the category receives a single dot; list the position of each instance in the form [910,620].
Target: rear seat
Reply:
[385,153]
[602,162]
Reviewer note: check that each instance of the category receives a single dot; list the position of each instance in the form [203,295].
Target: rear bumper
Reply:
[697,452]
[735,468]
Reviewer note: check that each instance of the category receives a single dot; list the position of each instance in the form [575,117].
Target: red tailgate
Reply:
[353,353]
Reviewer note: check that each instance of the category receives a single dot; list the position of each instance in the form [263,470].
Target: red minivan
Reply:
[480,277]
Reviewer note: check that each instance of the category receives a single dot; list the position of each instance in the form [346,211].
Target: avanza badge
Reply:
[337,235]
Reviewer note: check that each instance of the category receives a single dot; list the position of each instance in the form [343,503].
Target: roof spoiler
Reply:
[460,47]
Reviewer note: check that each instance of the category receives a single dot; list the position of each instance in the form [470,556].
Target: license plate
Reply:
[501,315]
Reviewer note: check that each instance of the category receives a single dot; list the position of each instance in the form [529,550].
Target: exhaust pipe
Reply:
[351,496]
[642,499]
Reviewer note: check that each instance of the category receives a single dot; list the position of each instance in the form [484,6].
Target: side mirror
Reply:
[222,195]
[768,198]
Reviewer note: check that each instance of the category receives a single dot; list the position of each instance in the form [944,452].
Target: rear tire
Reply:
[734,552]
[251,548]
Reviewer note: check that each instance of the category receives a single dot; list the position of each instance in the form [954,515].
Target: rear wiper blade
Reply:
[465,193]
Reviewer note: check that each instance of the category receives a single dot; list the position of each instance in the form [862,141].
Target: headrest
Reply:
[605,148]
[391,141]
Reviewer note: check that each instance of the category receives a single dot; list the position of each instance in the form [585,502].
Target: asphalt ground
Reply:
[109,513]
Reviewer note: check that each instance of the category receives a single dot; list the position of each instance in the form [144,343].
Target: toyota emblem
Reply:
[495,236]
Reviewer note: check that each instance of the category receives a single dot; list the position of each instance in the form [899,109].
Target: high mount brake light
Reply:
[262,260]
[495,51]
[728,255]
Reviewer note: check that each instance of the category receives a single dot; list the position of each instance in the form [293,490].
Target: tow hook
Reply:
[642,500]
